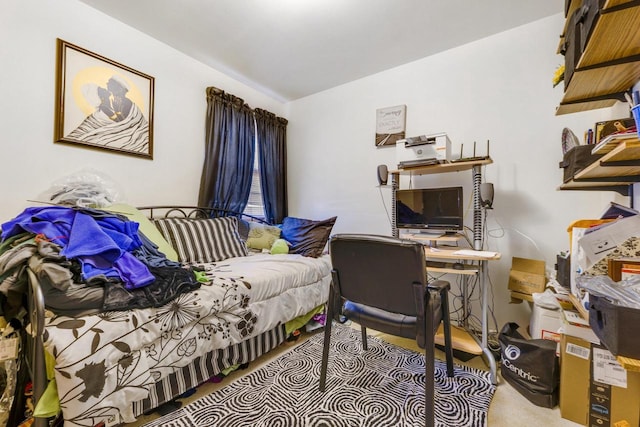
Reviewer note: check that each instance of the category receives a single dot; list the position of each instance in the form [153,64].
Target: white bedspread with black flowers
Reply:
[104,362]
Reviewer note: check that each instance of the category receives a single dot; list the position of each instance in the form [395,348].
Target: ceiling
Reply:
[289,49]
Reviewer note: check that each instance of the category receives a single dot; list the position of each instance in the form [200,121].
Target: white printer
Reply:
[423,150]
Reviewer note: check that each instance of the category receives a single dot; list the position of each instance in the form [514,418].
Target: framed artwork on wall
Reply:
[102,104]
[390,125]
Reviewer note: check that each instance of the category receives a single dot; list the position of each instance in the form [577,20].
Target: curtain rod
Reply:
[213,91]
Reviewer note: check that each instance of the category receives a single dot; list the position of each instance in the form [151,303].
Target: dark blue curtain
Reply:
[229,152]
[272,150]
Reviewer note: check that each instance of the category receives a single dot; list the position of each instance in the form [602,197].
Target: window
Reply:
[255,205]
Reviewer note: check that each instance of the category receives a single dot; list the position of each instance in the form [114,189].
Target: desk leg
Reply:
[484,344]
[465,302]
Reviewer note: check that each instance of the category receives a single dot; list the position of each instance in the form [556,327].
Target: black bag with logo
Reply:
[530,366]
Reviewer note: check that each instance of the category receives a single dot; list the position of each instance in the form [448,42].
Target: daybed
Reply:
[134,347]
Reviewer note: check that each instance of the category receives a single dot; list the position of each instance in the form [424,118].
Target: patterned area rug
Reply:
[383,386]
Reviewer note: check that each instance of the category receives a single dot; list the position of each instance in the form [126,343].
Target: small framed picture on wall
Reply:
[390,125]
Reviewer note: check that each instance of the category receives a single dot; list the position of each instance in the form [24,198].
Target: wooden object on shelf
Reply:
[610,62]
[617,267]
[460,340]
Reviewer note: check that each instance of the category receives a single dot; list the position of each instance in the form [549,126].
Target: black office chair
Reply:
[380,283]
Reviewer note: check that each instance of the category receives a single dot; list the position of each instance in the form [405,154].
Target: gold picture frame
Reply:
[102,104]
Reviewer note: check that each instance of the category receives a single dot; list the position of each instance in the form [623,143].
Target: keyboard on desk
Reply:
[436,264]
[419,162]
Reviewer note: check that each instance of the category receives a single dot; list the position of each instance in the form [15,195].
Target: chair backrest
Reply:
[378,271]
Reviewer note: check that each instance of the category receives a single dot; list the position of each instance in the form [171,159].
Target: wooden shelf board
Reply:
[449,254]
[442,168]
[468,270]
[418,237]
[610,63]
[602,186]
[594,82]
[584,106]
[627,150]
[611,3]
[610,44]
[460,339]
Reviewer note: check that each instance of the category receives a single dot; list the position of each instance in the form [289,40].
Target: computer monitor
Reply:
[430,209]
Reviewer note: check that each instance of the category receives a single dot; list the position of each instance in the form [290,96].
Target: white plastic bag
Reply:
[86,188]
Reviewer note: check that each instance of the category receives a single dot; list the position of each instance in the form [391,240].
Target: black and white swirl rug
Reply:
[381,387]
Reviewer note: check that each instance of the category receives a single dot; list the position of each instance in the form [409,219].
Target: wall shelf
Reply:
[615,171]
[610,63]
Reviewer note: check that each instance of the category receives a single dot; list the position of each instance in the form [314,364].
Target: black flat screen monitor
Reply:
[430,208]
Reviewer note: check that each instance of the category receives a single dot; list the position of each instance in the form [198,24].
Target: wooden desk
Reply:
[475,166]
[460,342]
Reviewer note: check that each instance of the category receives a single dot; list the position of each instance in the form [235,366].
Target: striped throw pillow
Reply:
[203,240]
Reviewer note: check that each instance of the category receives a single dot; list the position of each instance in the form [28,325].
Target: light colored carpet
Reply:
[508,408]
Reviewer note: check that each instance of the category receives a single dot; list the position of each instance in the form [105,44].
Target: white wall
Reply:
[496,89]
[30,159]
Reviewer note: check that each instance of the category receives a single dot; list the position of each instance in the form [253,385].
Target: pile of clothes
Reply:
[86,261]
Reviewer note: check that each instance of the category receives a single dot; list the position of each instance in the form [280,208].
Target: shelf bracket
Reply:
[625,179]
[622,6]
[623,190]
[613,62]
[618,96]
[612,163]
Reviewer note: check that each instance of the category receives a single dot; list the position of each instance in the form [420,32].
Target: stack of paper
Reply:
[610,142]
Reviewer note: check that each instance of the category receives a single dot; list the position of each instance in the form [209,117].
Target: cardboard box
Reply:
[595,390]
[577,326]
[545,323]
[527,276]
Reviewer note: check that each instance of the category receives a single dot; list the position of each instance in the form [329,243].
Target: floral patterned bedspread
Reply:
[104,362]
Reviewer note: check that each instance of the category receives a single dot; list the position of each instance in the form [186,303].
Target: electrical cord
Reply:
[503,230]
[386,210]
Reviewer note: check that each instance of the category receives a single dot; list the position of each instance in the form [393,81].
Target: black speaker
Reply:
[486,195]
[383,174]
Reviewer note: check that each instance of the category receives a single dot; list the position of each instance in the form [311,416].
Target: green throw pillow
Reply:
[280,246]
[262,236]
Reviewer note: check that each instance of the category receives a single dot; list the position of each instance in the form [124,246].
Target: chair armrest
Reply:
[439,285]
